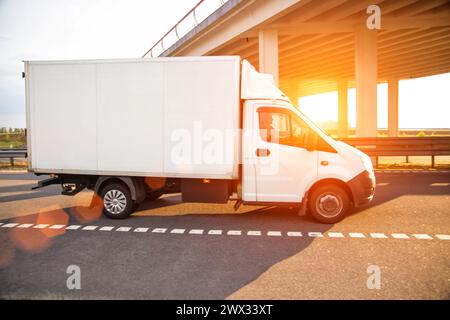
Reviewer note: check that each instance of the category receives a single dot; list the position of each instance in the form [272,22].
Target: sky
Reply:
[74,29]
[101,29]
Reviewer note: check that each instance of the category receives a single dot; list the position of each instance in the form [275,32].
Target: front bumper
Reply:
[362,187]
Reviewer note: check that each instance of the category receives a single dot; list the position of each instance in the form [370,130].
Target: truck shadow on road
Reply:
[24,192]
[17,186]
[160,266]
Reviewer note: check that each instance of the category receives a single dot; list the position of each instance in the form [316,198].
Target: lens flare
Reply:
[35,239]
[85,214]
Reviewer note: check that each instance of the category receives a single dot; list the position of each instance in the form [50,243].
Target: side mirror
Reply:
[311,140]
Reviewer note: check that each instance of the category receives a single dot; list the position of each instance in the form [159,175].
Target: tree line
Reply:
[12,130]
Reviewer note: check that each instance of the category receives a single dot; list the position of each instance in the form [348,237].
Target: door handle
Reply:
[262,152]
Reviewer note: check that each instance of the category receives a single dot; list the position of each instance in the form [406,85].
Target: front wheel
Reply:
[328,204]
[117,201]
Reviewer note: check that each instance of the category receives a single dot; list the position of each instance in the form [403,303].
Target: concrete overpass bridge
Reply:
[316,46]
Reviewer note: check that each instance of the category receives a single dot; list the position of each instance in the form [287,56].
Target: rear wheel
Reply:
[328,203]
[117,201]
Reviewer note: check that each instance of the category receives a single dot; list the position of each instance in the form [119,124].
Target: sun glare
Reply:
[420,100]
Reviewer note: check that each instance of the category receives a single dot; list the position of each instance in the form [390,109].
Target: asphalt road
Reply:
[171,250]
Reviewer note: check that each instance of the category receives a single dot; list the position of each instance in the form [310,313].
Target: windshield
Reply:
[310,122]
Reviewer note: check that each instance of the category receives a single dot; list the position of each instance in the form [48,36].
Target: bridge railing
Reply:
[188,22]
[13,153]
[401,146]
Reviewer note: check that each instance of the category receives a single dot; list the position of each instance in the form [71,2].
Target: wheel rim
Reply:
[115,201]
[329,204]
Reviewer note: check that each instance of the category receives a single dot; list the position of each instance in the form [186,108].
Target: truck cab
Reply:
[289,160]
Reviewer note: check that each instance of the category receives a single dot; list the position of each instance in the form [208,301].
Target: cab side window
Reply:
[274,127]
[282,126]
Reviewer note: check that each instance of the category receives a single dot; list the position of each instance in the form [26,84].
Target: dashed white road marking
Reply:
[315,234]
[356,235]
[399,236]
[10,225]
[57,226]
[73,227]
[335,234]
[106,228]
[41,226]
[422,236]
[25,225]
[89,228]
[440,184]
[196,231]
[123,229]
[378,236]
[159,230]
[382,184]
[178,231]
[272,233]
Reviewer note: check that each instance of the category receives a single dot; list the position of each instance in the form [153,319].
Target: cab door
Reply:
[283,166]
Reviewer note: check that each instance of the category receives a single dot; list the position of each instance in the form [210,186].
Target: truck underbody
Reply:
[192,190]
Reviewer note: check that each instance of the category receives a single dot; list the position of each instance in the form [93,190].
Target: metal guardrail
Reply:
[13,153]
[417,133]
[374,147]
[401,146]
[195,20]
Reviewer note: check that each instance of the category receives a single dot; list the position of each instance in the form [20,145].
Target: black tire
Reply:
[328,203]
[122,194]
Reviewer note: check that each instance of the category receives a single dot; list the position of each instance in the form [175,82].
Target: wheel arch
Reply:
[136,189]
[334,181]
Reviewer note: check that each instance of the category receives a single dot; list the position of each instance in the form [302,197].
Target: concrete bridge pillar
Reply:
[342,109]
[366,66]
[268,52]
[393,108]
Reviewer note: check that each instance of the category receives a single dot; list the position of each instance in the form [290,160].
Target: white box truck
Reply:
[207,127]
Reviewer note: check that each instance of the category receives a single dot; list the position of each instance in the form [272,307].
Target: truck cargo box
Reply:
[130,116]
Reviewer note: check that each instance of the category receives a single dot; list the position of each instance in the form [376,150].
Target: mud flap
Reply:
[303,206]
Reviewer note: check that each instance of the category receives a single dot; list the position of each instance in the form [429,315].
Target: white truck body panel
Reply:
[123,117]
[257,86]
